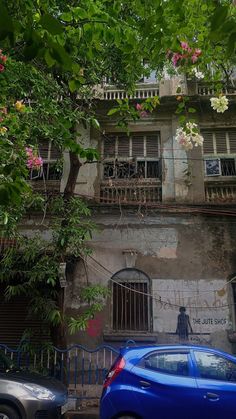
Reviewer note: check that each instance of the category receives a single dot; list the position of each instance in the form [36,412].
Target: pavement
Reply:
[86,413]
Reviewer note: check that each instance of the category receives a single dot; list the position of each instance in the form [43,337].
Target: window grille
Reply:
[131,304]
[134,156]
[50,154]
[219,149]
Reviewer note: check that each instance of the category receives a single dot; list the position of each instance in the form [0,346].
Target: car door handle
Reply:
[144,383]
[212,396]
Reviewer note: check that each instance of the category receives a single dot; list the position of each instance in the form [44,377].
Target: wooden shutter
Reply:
[208,147]
[109,142]
[55,153]
[123,146]
[44,149]
[232,141]
[221,146]
[152,145]
[137,145]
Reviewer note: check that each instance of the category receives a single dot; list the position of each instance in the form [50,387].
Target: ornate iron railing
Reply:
[220,192]
[130,193]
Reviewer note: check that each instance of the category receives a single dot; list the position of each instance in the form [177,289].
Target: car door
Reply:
[216,384]
[164,385]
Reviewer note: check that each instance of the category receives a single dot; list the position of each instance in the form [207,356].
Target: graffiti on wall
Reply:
[187,308]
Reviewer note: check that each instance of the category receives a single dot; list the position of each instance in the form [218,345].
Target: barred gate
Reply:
[83,370]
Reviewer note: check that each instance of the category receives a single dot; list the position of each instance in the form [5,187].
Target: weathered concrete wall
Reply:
[188,260]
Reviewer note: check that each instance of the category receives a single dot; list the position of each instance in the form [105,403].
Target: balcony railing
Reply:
[130,192]
[204,89]
[220,193]
[47,186]
[142,91]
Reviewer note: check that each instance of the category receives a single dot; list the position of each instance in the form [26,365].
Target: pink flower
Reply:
[3,58]
[2,68]
[184,45]
[194,58]
[197,52]
[139,107]
[176,57]
[29,151]
[3,110]
[38,162]
[143,114]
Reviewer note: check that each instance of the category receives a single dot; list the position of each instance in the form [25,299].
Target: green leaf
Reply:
[219,17]
[31,51]
[67,17]
[192,110]
[48,58]
[182,119]
[4,195]
[231,44]
[6,23]
[95,123]
[112,111]
[72,85]
[51,24]
[5,219]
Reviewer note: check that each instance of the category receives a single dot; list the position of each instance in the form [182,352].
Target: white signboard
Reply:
[205,303]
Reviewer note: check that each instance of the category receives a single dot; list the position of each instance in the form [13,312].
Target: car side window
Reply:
[168,363]
[215,367]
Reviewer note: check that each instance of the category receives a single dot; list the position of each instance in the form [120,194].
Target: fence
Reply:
[82,369]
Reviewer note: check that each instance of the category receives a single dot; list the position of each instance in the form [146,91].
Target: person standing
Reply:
[183,324]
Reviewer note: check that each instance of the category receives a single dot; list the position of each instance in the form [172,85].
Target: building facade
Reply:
[165,239]
[164,244]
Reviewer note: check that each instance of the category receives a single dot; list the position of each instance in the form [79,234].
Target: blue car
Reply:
[170,382]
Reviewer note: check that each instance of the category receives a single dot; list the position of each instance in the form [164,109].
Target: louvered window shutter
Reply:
[232,141]
[221,146]
[137,145]
[208,146]
[109,146]
[123,146]
[54,152]
[44,149]
[152,147]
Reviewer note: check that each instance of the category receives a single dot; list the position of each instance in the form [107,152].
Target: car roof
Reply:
[144,349]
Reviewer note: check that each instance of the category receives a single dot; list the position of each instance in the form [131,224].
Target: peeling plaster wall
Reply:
[188,260]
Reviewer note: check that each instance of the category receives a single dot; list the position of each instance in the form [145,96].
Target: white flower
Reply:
[219,104]
[198,74]
[189,136]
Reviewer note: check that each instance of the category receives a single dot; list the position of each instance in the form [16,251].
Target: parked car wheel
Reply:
[7,412]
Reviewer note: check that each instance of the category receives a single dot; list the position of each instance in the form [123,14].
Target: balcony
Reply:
[142,91]
[219,192]
[51,187]
[130,192]
[206,89]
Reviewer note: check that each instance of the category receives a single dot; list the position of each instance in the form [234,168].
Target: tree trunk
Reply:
[75,165]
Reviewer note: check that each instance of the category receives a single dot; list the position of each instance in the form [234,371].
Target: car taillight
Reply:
[114,371]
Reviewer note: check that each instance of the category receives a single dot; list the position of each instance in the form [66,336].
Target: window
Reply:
[220,152]
[215,367]
[167,363]
[50,170]
[134,156]
[131,304]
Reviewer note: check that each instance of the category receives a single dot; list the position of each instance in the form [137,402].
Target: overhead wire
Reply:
[157,298]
